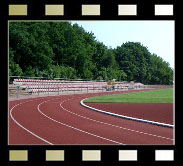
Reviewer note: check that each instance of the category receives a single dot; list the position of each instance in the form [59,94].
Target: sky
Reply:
[157,36]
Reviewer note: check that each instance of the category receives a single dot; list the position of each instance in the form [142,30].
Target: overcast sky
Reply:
[157,36]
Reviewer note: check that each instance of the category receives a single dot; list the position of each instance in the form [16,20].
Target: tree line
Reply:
[63,50]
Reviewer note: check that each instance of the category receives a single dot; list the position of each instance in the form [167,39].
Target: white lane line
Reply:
[140,132]
[23,126]
[77,129]
[37,98]
[127,117]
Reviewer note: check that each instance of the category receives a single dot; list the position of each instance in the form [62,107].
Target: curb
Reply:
[127,117]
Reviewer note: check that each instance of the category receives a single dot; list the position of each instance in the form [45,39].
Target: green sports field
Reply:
[154,96]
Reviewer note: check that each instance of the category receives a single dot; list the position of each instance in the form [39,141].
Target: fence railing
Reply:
[159,86]
[42,90]
[38,87]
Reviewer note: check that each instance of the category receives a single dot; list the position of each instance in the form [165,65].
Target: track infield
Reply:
[155,105]
[155,96]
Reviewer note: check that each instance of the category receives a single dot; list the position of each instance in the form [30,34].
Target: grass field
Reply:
[154,96]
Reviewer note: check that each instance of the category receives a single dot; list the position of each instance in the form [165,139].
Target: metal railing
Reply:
[35,86]
[47,90]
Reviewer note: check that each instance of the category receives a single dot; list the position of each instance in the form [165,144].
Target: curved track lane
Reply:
[62,120]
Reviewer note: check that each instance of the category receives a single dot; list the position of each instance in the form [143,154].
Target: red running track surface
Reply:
[61,120]
[159,112]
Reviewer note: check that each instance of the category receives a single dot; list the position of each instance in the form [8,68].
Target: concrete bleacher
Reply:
[58,85]
[13,91]
[39,86]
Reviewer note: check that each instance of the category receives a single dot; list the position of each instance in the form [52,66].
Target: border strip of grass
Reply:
[154,96]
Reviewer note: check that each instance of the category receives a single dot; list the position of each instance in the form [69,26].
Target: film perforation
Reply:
[62,156]
[122,9]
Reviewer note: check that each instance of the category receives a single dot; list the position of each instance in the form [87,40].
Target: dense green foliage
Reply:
[63,50]
[153,96]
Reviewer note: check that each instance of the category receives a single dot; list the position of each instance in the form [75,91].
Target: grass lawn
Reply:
[154,96]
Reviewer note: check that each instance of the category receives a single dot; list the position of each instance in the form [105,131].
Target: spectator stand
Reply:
[24,86]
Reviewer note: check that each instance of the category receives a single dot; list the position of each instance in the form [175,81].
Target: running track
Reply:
[62,120]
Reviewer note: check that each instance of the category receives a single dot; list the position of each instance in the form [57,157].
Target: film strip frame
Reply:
[85,155]
[87,9]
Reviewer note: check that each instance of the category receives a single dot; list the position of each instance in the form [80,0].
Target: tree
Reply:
[60,49]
